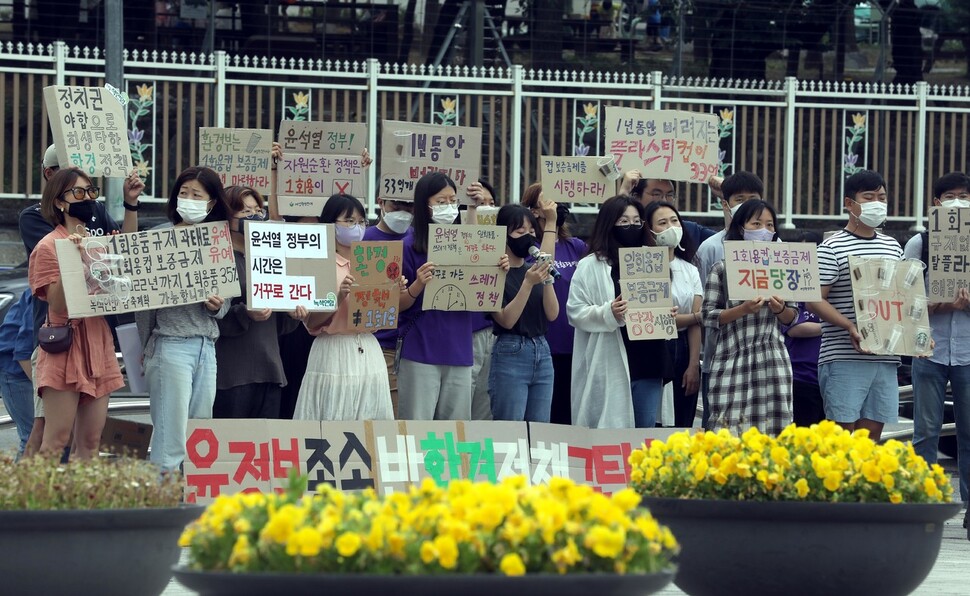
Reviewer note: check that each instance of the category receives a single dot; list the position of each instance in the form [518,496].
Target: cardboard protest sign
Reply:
[466,276]
[485,216]
[645,285]
[375,297]
[575,180]
[890,305]
[949,252]
[147,270]
[785,269]
[291,265]
[90,130]
[668,144]
[320,159]
[241,156]
[410,150]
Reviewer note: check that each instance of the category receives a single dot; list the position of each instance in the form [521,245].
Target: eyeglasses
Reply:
[247,212]
[349,223]
[660,196]
[625,225]
[78,192]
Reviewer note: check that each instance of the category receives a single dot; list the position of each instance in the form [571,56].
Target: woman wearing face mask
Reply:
[434,378]
[179,341]
[250,373]
[617,383]
[666,229]
[345,378]
[751,376]
[568,251]
[73,384]
[520,377]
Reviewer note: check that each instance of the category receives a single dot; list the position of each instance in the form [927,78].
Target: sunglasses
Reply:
[78,192]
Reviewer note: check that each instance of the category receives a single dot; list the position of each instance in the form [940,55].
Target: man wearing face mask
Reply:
[950,361]
[859,389]
[651,190]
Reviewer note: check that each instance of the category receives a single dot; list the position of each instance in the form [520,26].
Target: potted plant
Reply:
[92,526]
[816,510]
[465,538]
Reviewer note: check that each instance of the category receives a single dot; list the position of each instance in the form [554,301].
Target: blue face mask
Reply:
[759,235]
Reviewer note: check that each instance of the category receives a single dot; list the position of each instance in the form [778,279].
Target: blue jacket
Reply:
[17,336]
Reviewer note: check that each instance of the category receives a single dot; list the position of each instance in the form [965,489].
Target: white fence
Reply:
[803,138]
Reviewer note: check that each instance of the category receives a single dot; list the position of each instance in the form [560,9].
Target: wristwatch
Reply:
[134,207]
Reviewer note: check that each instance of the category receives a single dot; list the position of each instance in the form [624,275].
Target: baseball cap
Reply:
[50,158]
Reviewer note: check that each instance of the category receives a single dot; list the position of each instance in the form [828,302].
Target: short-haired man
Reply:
[859,389]
[950,361]
[649,190]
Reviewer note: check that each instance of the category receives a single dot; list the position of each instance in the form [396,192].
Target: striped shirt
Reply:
[833,271]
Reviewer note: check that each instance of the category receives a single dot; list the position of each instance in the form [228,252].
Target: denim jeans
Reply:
[520,378]
[929,392]
[647,394]
[18,399]
[181,377]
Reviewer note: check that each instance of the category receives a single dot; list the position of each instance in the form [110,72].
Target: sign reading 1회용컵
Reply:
[645,285]
[788,270]
[949,252]
[320,159]
[290,265]
[90,131]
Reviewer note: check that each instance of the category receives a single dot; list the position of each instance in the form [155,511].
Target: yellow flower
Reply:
[801,486]
[859,120]
[280,525]
[448,104]
[833,480]
[727,115]
[447,551]
[626,499]
[895,498]
[512,564]
[567,556]
[590,109]
[348,544]
[605,542]
[185,540]
[142,169]
[301,99]
[428,553]
[305,542]
[145,92]
[242,526]
[240,551]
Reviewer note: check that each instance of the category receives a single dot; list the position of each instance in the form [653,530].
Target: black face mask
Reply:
[562,212]
[520,246]
[628,237]
[82,210]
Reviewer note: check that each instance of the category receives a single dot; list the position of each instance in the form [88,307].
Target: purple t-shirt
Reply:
[442,338]
[386,337]
[803,351]
[560,333]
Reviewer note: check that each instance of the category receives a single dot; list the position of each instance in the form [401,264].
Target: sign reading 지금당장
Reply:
[788,270]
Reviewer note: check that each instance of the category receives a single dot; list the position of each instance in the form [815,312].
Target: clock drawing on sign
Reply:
[448,297]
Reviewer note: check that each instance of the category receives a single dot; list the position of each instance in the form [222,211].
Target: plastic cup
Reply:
[861,274]
[913,272]
[887,272]
[921,340]
[401,140]
[863,314]
[918,308]
[870,337]
[607,166]
[892,342]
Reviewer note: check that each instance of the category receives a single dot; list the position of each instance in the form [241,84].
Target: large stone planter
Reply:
[291,584]
[795,548]
[116,552]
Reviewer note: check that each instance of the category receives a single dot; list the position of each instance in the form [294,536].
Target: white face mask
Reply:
[873,213]
[398,221]
[735,209]
[670,237]
[961,203]
[192,211]
[444,214]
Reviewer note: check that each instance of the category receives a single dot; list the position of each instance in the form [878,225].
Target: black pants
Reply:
[807,403]
[685,406]
[294,351]
[257,400]
[561,411]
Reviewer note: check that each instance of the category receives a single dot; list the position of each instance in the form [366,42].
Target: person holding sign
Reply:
[436,357]
[617,383]
[650,190]
[860,390]
[568,251]
[666,229]
[950,362]
[520,377]
[751,375]
[179,341]
[249,377]
[345,376]
[74,383]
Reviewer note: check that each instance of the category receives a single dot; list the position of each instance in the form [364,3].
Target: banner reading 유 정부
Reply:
[466,275]
[375,297]
[90,130]
[574,180]
[949,252]
[645,285]
[291,265]
[147,270]
[241,156]
[890,305]
[320,159]
[788,270]
[410,150]
[668,144]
